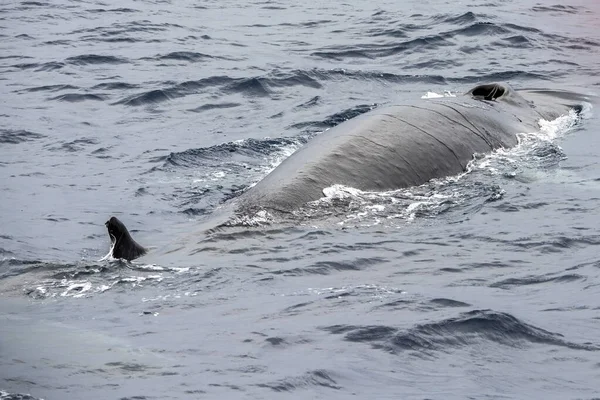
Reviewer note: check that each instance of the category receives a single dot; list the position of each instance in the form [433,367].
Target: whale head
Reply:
[547,104]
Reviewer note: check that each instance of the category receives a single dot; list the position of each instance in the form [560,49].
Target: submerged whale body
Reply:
[405,145]
[390,148]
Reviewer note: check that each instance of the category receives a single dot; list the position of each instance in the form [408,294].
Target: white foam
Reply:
[210,177]
[434,95]
[260,218]
[138,280]
[109,256]
[368,290]
[79,287]
[155,267]
[373,205]
[5,395]
[104,288]
[527,143]
[150,267]
[341,192]
[550,130]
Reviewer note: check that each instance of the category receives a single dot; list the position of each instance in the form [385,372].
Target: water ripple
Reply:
[8,136]
[318,378]
[468,329]
[92,59]
[77,97]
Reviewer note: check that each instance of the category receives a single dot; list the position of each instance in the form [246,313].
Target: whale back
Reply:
[401,145]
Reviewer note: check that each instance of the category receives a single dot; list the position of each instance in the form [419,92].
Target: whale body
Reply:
[406,145]
[390,148]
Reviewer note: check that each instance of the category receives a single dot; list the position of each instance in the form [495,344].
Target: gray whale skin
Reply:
[407,144]
[390,148]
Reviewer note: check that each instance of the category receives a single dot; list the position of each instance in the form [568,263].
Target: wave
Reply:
[468,329]
[254,87]
[557,8]
[462,19]
[327,267]
[184,56]
[10,136]
[332,120]
[112,10]
[74,145]
[242,154]
[517,41]
[554,245]
[258,86]
[50,88]
[146,98]
[143,31]
[536,280]
[34,3]
[41,67]
[15,56]
[114,86]
[262,86]
[12,266]
[78,97]
[377,51]
[240,164]
[489,35]
[403,30]
[292,78]
[249,150]
[478,29]
[57,43]
[175,91]
[207,107]
[319,378]
[385,77]
[447,303]
[123,40]
[94,59]
[310,103]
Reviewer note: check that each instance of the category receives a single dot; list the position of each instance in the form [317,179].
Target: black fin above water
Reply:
[123,244]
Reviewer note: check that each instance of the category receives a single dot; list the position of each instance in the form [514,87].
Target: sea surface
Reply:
[480,286]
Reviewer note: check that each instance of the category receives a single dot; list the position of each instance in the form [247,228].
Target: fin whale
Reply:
[404,145]
[390,148]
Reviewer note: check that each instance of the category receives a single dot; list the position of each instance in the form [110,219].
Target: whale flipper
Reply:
[123,244]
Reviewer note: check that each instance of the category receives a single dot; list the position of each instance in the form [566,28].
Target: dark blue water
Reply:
[483,286]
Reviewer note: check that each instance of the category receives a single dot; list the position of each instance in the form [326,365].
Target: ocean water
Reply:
[480,286]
